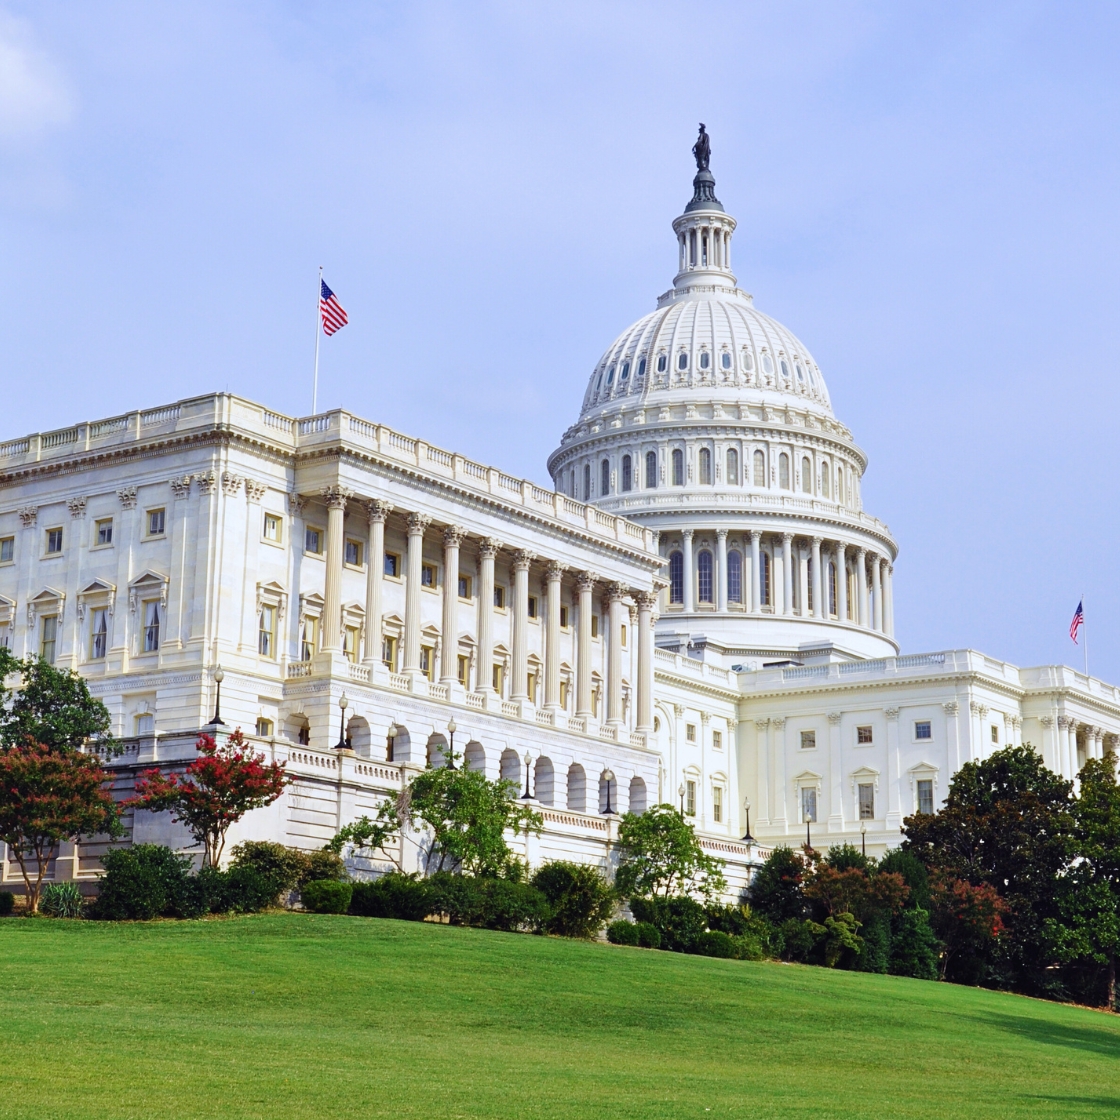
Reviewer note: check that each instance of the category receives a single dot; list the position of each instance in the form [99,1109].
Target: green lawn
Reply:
[312,1017]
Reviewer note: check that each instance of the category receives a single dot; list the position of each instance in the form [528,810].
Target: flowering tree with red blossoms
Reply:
[218,788]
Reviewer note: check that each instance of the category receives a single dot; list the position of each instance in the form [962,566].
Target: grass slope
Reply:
[299,1016]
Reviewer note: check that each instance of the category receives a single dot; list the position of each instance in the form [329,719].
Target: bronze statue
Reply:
[702,150]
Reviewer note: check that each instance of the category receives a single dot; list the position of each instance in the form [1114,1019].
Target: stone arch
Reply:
[608,785]
[544,781]
[474,757]
[402,745]
[509,767]
[577,788]
[638,802]
[357,736]
[297,728]
[436,750]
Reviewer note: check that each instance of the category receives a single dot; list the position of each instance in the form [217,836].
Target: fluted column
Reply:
[888,596]
[484,675]
[449,648]
[841,582]
[689,577]
[553,575]
[877,592]
[585,585]
[646,600]
[519,689]
[787,573]
[819,605]
[721,572]
[377,511]
[335,498]
[756,572]
[616,592]
[861,586]
[417,524]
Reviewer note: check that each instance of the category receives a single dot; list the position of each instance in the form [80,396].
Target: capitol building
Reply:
[699,611]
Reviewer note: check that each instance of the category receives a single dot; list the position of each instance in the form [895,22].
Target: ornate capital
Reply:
[231,483]
[721,534]
[28,515]
[616,592]
[787,539]
[834,717]
[1046,721]
[585,582]
[254,490]
[891,713]
[633,611]
[181,486]
[453,536]
[687,534]
[206,482]
[704,717]
[488,548]
[817,541]
[522,558]
[678,710]
[779,722]
[646,600]
[127,497]
[377,510]
[1064,722]
[77,507]
[296,504]
[555,571]
[762,724]
[861,555]
[418,524]
[335,496]
[951,707]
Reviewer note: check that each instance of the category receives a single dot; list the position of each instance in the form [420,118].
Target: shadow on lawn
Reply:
[1109,1104]
[1099,1040]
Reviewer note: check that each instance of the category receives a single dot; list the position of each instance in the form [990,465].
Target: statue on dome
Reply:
[702,150]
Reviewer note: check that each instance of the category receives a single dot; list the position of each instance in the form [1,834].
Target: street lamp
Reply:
[451,729]
[863,837]
[527,796]
[217,721]
[680,792]
[391,736]
[747,837]
[808,842]
[343,703]
[608,777]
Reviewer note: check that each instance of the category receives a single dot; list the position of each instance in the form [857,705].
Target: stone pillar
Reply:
[417,524]
[877,592]
[553,575]
[378,511]
[335,497]
[756,571]
[819,606]
[721,570]
[519,688]
[888,597]
[861,586]
[585,585]
[484,674]
[835,774]
[689,577]
[779,816]
[449,648]
[646,601]
[615,612]
[894,780]
[787,573]
[841,582]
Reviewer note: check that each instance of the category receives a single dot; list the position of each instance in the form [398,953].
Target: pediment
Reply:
[865,772]
[148,579]
[807,777]
[49,595]
[99,587]
[923,768]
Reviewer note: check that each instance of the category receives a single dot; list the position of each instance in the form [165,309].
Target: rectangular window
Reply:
[864,735]
[103,532]
[465,587]
[48,638]
[389,653]
[151,626]
[563,617]
[353,553]
[690,732]
[496,679]
[995,733]
[808,740]
[463,669]
[623,637]
[350,643]
[273,528]
[923,730]
[532,606]
[7,550]
[309,639]
[500,598]
[531,687]
[564,694]
[98,633]
[264,728]
[808,804]
[155,522]
[428,575]
[690,799]
[594,625]
[428,662]
[392,564]
[925,795]
[866,802]
[145,723]
[266,632]
[717,740]
[54,542]
[313,541]
[717,804]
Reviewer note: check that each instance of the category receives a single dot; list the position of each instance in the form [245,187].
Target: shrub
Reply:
[326,896]
[733,920]
[284,867]
[246,889]
[406,897]
[623,932]
[513,906]
[914,946]
[140,883]
[799,938]
[748,947]
[914,875]
[320,865]
[457,896]
[61,900]
[648,935]
[775,890]
[679,920]
[714,943]
[7,903]
[580,899]
[876,951]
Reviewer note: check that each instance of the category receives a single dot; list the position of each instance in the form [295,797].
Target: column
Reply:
[778,815]
[417,523]
[553,575]
[721,570]
[335,498]
[877,591]
[646,601]
[615,612]
[861,586]
[894,777]
[787,573]
[377,512]
[819,606]
[835,775]
[689,579]
[841,581]
[585,585]
[449,647]
[519,688]
[756,572]
[888,596]
[484,674]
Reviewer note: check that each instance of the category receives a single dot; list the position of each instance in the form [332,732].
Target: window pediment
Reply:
[865,775]
[48,600]
[146,586]
[273,595]
[99,593]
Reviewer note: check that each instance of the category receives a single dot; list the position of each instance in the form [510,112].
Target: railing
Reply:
[304,758]
[574,820]
[366,770]
[475,470]
[361,673]
[544,715]
[14,447]
[275,420]
[402,443]
[400,682]
[298,669]
[444,458]
[509,708]
[159,415]
[476,700]
[637,738]
[804,672]
[608,732]
[440,692]
[314,424]
[578,724]
[363,428]
[509,482]
[107,427]
[915,660]
[57,439]
[876,666]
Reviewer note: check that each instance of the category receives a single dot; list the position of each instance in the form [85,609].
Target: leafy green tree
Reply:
[659,855]
[581,901]
[374,836]
[51,707]
[914,875]
[776,888]
[914,948]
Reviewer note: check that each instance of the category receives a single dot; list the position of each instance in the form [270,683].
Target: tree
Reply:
[776,888]
[372,836]
[659,854]
[52,707]
[49,795]
[581,901]
[216,789]
[969,920]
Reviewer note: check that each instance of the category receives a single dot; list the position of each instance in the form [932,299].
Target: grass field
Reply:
[311,1017]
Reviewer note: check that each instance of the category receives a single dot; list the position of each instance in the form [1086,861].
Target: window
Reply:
[462,668]
[759,469]
[748,360]
[465,587]
[273,528]
[705,466]
[531,687]
[8,550]
[622,630]
[678,467]
[610,377]
[497,677]
[783,471]
[352,553]
[734,576]
[923,730]
[428,575]
[587,482]
[767,364]
[690,798]
[764,578]
[704,576]
[264,727]
[651,471]
[641,367]
[427,661]
[563,617]
[866,801]
[864,735]
[831,588]
[995,733]
[627,473]
[808,804]
[500,598]
[48,638]
[825,486]
[676,577]
[806,476]
[690,732]
[594,625]
[809,583]
[392,566]
[350,637]
[103,532]
[682,360]
[309,639]
[705,359]
[725,359]
[145,723]
[717,804]
[54,541]
[605,477]
[808,740]
[662,362]
[98,633]
[313,541]
[717,740]
[925,795]
[732,467]
[151,626]
[156,519]
[563,694]
[785,369]
[389,653]
[800,375]
[533,606]
[625,371]
[266,631]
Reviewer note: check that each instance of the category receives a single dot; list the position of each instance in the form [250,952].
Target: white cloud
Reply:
[33,93]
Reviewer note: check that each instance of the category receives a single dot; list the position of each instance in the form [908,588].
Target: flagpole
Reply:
[318,314]
[1085,627]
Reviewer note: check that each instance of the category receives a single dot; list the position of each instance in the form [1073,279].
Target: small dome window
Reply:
[800,375]
[705,359]
[641,367]
[626,371]
[767,364]
[610,376]
[785,371]
[662,362]
[682,360]
[725,359]
[599,383]
[748,361]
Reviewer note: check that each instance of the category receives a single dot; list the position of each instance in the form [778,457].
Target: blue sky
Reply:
[926,194]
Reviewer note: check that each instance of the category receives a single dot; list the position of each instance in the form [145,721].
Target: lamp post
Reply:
[608,777]
[680,792]
[451,728]
[747,837]
[808,841]
[217,721]
[391,737]
[343,703]
[527,796]
[863,837]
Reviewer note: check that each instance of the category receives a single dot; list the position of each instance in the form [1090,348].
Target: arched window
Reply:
[626,371]
[610,375]
[806,476]
[748,361]
[764,578]
[642,368]
[732,467]
[783,471]
[704,576]
[626,473]
[800,375]
[682,360]
[651,470]
[735,576]
[825,487]
[676,577]
[785,371]
[759,469]
[725,359]
[587,482]
[809,584]
[705,359]
[605,477]
[840,485]
[767,364]
[831,588]
[662,362]
[705,467]
[678,467]
[599,383]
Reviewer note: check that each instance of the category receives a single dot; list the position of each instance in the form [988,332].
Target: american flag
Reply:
[1077,623]
[334,318]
